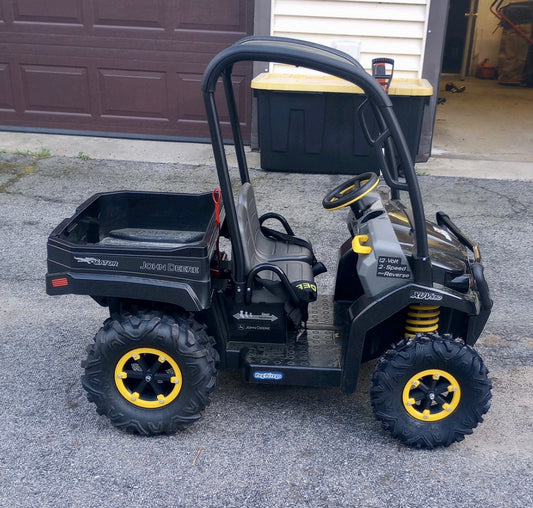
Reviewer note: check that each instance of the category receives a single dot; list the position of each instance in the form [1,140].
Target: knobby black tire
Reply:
[411,356]
[185,340]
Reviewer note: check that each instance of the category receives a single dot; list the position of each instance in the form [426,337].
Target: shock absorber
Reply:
[421,319]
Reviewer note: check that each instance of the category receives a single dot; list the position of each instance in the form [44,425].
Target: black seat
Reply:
[296,261]
[263,248]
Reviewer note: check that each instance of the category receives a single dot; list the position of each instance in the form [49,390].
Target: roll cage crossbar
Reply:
[390,144]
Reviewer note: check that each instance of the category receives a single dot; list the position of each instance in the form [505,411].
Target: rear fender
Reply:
[123,287]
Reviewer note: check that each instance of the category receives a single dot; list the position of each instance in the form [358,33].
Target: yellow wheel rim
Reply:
[431,395]
[148,377]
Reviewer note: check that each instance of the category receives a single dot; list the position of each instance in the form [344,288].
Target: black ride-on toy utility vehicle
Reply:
[407,290]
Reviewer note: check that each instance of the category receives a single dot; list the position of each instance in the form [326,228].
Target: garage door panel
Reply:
[56,11]
[189,86]
[133,93]
[189,95]
[7,102]
[206,14]
[190,92]
[53,88]
[130,13]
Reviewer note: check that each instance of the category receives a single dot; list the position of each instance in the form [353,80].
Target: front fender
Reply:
[366,313]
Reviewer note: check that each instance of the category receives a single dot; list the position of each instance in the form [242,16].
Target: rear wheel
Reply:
[149,372]
[430,391]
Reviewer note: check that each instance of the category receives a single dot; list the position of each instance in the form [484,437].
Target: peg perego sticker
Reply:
[268,376]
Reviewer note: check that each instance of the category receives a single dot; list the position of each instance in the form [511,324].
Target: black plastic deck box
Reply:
[309,123]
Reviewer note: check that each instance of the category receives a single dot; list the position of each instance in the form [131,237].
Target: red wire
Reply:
[217,199]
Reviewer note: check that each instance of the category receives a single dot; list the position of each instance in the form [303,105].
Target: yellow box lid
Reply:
[316,83]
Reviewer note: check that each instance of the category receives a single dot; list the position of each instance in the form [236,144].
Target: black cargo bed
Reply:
[142,245]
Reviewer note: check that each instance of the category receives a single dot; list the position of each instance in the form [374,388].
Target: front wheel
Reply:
[150,373]
[430,391]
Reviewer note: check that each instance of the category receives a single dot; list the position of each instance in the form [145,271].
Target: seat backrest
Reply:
[249,227]
[297,271]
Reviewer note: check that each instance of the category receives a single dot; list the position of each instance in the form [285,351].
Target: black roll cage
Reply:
[390,145]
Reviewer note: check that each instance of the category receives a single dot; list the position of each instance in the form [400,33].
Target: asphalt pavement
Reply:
[256,445]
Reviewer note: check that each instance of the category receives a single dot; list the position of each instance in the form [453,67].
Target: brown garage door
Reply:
[116,66]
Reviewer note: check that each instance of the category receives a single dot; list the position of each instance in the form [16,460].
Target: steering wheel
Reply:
[350,191]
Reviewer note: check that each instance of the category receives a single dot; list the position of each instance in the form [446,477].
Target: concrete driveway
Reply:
[256,446]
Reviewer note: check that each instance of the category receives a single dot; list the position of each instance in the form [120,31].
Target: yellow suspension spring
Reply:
[422,319]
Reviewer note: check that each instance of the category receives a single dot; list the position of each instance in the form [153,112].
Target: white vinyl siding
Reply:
[391,28]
